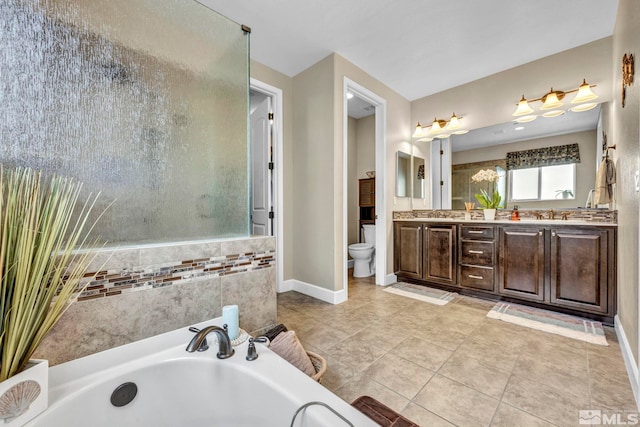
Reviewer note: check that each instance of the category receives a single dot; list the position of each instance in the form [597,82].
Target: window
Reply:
[543,183]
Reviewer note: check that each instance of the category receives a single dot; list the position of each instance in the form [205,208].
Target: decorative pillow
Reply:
[287,346]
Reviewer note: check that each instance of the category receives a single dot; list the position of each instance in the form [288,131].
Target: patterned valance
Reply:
[548,156]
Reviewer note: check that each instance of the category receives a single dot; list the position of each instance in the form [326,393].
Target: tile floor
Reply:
[451,365]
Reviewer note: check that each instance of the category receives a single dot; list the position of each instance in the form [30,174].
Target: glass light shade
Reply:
[442,135]
[523,108]
[435,127]
[584,107]
[425,139]
[553,113]
[526,119]
[551,101]
[419,131]
[454,123]
[461,132]
[584,94]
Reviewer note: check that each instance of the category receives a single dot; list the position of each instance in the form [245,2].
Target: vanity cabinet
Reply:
[579,269]
[407,238]
[522,263]
[477,257]
[567,268]
[425,251]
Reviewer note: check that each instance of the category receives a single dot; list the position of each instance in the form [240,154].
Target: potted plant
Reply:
[489,203]
[41,273]
[565,193]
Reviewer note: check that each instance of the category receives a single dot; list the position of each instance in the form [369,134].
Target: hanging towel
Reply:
[604,182]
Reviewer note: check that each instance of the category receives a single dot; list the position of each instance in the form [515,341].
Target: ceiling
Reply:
[423,47]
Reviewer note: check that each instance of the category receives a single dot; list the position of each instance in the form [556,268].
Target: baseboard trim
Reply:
[332,297]
[629,360]
[390,279]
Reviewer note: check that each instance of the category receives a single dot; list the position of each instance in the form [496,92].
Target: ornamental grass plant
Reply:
[42,226]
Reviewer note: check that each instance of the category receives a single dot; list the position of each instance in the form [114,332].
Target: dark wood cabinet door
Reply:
[408,249]
[579,269]
[367,192]
[522,263]
[440,254]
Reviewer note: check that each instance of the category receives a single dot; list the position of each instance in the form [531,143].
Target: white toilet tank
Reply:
[369,233]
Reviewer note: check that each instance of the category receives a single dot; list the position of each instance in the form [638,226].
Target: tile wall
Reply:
[144,291]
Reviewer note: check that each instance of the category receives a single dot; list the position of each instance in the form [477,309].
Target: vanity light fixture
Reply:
[552,101]
[440,128]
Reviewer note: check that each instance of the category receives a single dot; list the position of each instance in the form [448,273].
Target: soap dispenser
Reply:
[515,215]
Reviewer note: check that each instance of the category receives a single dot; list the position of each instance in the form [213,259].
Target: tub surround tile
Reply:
[591,215]
[149,290]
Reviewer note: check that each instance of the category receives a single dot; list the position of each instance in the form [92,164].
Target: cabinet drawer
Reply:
[477,277]
[477,253]
[477,232]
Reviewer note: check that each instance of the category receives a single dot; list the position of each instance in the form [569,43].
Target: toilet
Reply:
[363,254]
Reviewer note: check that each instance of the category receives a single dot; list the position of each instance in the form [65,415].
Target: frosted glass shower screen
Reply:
[143,100]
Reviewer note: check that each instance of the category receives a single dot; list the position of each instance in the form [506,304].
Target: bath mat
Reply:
[380,413]
[549,321]
[422,293]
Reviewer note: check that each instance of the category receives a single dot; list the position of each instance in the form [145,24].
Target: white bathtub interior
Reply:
[177,388]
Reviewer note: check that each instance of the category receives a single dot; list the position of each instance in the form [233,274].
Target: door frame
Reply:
[278,159]
[380,105]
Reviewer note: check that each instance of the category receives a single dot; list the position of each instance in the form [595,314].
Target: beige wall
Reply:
[314,176]
[352,182]
[585,170]
[285,83]
[492,100]
[398,133]
[366,145]
[623,130]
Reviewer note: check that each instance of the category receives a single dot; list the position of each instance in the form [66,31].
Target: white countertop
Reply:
[541,222]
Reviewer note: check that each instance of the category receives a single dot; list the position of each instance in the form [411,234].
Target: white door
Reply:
[260,159]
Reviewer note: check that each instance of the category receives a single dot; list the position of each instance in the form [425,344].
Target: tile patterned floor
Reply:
[451,365]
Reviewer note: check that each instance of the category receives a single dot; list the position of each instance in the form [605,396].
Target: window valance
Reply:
[548,156]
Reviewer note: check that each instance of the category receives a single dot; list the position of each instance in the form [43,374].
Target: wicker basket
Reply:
[319,364]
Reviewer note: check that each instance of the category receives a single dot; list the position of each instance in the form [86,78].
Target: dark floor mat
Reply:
[380,413]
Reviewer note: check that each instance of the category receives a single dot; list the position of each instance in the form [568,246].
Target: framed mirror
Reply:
[403,174]
[418,177]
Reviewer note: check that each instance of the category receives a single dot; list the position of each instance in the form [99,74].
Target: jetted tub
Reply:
[177,388]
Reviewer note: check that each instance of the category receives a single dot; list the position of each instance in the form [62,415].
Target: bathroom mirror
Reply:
[403,172]
[484,147]
[418,176]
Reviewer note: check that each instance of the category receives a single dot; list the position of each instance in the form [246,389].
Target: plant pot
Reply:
[489,214]
[25,395]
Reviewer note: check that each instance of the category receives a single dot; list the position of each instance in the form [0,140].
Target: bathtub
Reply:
[177,388]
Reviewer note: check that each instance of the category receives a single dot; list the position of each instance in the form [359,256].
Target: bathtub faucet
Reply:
[199,342]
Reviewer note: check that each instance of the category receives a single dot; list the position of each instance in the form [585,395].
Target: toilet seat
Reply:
[361,246]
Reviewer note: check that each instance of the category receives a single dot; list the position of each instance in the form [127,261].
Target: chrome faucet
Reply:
[199,341]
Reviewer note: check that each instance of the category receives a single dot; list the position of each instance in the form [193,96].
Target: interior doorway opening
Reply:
[266,160]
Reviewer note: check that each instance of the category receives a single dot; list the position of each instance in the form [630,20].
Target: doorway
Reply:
[379,104]
[266,167]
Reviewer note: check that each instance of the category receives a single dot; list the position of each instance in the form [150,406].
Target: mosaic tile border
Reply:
[112,282]
[592,215]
